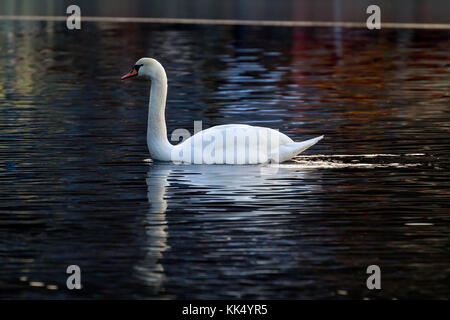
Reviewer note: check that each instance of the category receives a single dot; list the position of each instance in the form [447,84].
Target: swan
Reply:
[224,144]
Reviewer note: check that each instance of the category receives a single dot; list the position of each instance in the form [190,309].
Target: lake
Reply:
[77,186]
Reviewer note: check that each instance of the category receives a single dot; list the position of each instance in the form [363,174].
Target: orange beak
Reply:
[130,74]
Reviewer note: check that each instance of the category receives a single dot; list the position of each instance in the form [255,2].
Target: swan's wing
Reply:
[243,130]
[231,144]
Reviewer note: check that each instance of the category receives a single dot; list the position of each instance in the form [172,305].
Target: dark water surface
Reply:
[75,187]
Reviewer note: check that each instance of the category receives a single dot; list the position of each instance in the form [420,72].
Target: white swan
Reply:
[224,144]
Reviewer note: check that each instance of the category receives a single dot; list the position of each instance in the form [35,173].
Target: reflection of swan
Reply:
[156,187]
[150,270]
[216,201]
[218,183]
[239,222]
[225,144]
[243,184]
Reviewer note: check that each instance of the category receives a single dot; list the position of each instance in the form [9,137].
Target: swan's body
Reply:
[224,144]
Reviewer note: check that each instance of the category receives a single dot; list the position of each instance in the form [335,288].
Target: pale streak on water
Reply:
[75,188]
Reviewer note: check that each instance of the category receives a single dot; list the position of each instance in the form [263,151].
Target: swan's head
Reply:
[147,68]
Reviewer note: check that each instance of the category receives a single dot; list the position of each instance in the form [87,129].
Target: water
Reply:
[76,185]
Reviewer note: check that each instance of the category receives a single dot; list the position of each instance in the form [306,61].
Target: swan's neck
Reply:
[158,145]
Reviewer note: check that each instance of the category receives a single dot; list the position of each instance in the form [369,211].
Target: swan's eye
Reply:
[137,66]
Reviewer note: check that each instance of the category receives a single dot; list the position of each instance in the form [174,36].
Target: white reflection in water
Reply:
[150,271]
[342,161]
[207,187]
[221,183]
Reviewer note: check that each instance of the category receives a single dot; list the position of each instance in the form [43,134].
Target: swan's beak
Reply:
[130,74]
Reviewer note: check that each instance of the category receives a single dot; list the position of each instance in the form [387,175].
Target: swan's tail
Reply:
[290,150]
